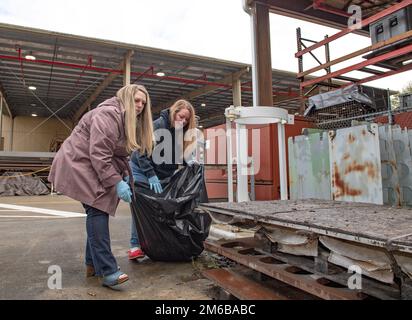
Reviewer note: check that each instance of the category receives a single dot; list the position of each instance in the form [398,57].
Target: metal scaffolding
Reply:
[389,54]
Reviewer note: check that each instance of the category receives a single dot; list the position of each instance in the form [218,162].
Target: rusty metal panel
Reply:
[282,271]
[241,286]
[356,164]
[404,163]
[390,176]
[309,167]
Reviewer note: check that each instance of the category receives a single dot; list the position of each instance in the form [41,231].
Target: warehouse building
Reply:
[308,177]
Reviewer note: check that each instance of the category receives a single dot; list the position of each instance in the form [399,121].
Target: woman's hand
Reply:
[155,184]
[124,192]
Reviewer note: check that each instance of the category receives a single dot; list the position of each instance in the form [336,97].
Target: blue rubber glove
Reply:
[155,184]
[127,179]
[124,192]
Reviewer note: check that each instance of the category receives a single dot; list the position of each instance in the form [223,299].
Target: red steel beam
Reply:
[61,64]
[386,74]
[107,70]
[189,81]
[364,23]
[360,65]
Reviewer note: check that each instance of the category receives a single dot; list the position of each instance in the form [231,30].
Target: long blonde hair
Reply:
[139,129]
[188,146]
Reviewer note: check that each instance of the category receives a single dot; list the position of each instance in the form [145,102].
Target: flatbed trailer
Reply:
[320,235]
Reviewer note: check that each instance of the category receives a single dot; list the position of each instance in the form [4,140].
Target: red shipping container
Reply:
[265,151]
[404,119]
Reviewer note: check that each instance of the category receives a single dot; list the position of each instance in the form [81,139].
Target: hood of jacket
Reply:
[165,115]
[113,101]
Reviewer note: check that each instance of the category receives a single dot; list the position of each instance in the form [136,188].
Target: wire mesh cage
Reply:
[338,109]
[341,116]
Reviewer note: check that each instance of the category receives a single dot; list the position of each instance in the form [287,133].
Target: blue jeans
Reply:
[134,238]
[98,251]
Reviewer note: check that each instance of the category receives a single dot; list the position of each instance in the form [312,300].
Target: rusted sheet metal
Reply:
[240,286]
[309,167]
[356,164]
[390,176]
[284,272]
[404,163]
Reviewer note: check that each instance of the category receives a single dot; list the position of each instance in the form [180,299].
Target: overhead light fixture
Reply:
[160,74]
[33,105]
[200,127]
[34,115]
[32,88]
[203,105]
[407,62]
[30,56]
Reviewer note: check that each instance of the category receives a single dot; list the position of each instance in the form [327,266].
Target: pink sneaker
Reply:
[135,253]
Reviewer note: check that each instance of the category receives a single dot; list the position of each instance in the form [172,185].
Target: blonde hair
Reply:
[188,146]
[139,129]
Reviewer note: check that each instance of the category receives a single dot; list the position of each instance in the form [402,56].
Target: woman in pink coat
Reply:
[92,167]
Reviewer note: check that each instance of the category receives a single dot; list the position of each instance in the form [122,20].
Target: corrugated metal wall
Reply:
[309,166]
[367,164]
[355,164]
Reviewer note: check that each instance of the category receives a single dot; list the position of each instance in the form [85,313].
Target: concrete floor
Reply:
[30,245]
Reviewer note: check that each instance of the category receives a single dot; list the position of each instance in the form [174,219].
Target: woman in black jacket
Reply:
[176,128]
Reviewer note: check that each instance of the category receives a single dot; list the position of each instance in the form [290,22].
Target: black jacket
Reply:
[146,164]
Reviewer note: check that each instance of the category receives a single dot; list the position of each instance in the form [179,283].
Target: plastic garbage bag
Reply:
[169,226]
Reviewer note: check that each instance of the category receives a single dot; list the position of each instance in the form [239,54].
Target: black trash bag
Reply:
[168,225]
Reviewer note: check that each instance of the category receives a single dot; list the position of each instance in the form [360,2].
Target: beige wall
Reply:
[6,132]
[38,140]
